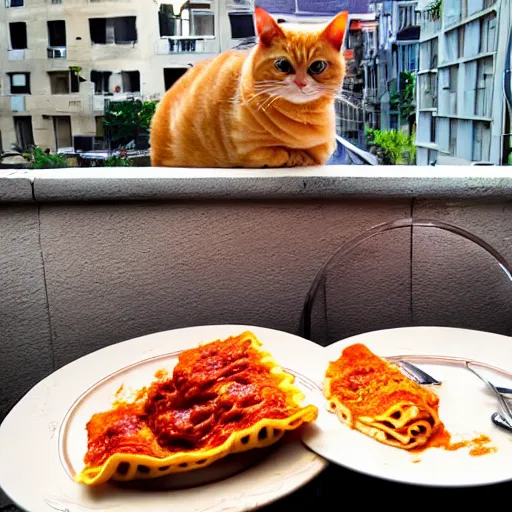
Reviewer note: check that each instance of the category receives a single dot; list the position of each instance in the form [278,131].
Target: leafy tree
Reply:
[124,120]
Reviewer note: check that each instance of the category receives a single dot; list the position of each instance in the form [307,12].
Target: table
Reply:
[335,483]
[326,489]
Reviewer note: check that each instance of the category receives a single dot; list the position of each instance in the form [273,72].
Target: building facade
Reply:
[60,60]
[390,56]
[462,112]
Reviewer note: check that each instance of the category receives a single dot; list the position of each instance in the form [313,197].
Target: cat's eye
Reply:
[283,65]
[319,66]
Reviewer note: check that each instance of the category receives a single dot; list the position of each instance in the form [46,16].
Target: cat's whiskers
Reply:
[266,82]
[268,102]
[271,103]
[269,90]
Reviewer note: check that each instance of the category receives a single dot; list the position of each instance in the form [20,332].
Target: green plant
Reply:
[370,136]
[125,119]
[395,146]
[42,160]
[118,161]
[435,9]
[75,69]
[404,100]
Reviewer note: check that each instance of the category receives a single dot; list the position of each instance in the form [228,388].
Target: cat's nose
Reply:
[301,82]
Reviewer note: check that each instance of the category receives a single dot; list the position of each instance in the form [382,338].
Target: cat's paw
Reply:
[300,158]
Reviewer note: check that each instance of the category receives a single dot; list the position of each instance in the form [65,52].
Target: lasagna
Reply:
[223,397]
[372,396]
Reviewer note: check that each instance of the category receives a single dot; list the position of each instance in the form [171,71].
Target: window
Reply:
[428,54]
[427,84]
[57,33]
[484,87]
[62,131]
[481,142]
[171,75]
[189,22]
[451,47]
[18,32]
[122,30]
[242,25]
[202,23]
[64,82]
[101,80]
[433,129]
[131,81]
[488,33]
[407,58]
[460,42]
[99,127]
[24,132]
[14,3]
[448,85]
[20,83]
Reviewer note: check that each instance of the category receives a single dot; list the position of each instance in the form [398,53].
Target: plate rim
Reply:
[314,466]
[335,349]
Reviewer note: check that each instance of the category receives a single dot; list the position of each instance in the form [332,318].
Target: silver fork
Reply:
[503,421]
[505,406]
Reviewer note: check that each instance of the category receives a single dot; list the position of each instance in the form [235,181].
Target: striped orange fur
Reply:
[272,106]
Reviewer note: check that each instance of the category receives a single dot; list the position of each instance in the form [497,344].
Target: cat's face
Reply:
[301,63]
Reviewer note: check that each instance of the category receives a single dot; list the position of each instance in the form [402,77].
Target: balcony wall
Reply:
[94,257]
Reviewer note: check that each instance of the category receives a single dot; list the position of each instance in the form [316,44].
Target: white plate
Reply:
[466,406]
[43,439]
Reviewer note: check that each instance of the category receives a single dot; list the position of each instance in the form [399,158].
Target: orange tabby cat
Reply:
[270,107]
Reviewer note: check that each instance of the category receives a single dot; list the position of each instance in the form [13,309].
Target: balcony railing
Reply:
[57,52]
[407,16]
[187,44]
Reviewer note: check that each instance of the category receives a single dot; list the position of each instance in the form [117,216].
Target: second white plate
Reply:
[466,406]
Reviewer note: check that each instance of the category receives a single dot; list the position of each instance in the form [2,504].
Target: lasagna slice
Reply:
[370,395]
[223,397]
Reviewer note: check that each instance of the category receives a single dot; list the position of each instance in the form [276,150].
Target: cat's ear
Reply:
[334,33]
[266,27]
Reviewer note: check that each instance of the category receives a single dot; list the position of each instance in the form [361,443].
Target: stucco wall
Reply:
[89,259]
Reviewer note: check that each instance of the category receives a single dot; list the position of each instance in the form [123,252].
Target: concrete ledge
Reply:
[334,182]
[15,186]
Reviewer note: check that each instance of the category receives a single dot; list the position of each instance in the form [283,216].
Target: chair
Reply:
[421,304]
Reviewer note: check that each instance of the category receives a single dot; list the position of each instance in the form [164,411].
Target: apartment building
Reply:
[390,49]
[61,60]
[462,113]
